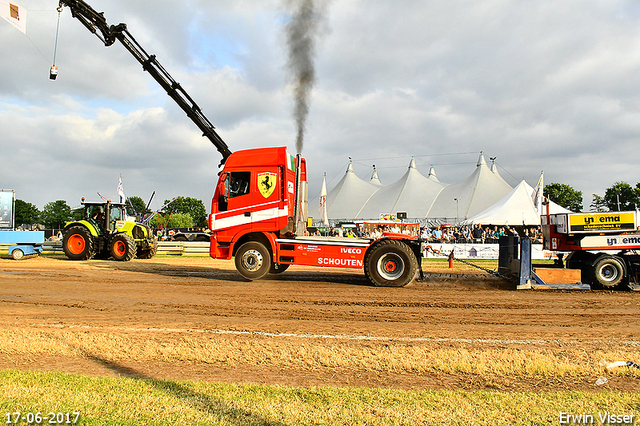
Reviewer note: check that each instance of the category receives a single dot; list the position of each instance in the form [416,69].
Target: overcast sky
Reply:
[544,85]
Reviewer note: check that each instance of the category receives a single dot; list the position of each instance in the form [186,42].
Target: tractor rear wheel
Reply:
[390,263]
[253,260]
[123,247]
[77,243]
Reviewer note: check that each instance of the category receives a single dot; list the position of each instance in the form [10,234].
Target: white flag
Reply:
[323,202]
[536,196]
[14,14]
[121,191]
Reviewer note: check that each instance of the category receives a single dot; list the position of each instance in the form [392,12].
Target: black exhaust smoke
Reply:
[302,31]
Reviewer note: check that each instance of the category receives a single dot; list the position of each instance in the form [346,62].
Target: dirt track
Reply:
[169,298]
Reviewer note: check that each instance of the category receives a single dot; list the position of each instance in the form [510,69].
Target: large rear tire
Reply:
[390,263]
[77,243]
[253,260]
[608,272]
[123,247]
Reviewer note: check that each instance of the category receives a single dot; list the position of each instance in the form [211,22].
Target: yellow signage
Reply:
[266,183]
[599,222]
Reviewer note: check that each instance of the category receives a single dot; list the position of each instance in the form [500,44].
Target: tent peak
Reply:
[481,161]
[432,174]
[374,177]
[350,166]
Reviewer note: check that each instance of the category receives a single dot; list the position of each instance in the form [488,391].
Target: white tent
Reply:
[412,193]
[462,200]
[346,199]
[375,180]
[515,208]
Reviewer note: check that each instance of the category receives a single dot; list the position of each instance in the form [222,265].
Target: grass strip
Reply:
[126,401]
[545,362]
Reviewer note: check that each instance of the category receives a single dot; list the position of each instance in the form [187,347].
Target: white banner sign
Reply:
[14,14]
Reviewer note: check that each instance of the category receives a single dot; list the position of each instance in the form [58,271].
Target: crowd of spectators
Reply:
[477,233]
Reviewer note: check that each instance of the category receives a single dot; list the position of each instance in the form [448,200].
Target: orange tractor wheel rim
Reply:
[120,248]
[76,244]
[391,266]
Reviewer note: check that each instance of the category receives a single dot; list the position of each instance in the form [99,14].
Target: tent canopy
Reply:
[515,208]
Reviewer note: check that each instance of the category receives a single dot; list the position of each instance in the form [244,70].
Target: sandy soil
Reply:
[173,297]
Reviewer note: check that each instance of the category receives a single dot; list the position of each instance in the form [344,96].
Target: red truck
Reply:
[259,218]
[259,209]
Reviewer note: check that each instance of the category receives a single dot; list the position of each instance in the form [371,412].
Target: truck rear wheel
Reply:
[77,243]
[253,260]
[390,263]
[608,272]
[123,247]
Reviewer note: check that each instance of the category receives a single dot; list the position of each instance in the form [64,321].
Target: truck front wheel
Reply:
[77,243]
[253,260]
[608,272]
[390,263]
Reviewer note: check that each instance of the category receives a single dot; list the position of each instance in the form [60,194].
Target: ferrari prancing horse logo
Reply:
[266,183]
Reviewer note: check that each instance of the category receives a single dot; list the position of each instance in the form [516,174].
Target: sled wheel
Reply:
[77,243]
[17,254]
[253,260]
[608,272]
[123,247]
[390,263]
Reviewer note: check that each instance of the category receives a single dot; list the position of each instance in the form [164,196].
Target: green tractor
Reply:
[104,232]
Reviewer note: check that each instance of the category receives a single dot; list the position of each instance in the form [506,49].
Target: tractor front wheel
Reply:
[77,243]
[150,252]
[123,247]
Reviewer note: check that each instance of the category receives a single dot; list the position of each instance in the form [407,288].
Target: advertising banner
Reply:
[602,222]
[6,208]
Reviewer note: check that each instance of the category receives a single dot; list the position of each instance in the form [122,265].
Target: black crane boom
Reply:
[108,34]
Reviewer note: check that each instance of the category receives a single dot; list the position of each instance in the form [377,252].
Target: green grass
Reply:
[125,401]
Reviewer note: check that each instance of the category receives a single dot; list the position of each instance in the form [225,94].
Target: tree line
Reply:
[186,212]
[182,212]
[621,196]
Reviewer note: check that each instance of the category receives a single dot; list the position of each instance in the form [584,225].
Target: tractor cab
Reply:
[104,215]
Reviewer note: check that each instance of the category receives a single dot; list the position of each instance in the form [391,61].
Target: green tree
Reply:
[620,197]
[191,206]
[172,220]
[26,213]
[564,195]
[598,204]
[138,204]
[55,214]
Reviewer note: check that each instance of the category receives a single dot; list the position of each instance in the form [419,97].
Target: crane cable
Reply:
[53,73]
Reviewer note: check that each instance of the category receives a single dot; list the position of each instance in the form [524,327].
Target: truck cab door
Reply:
[267,198]
[234,201]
